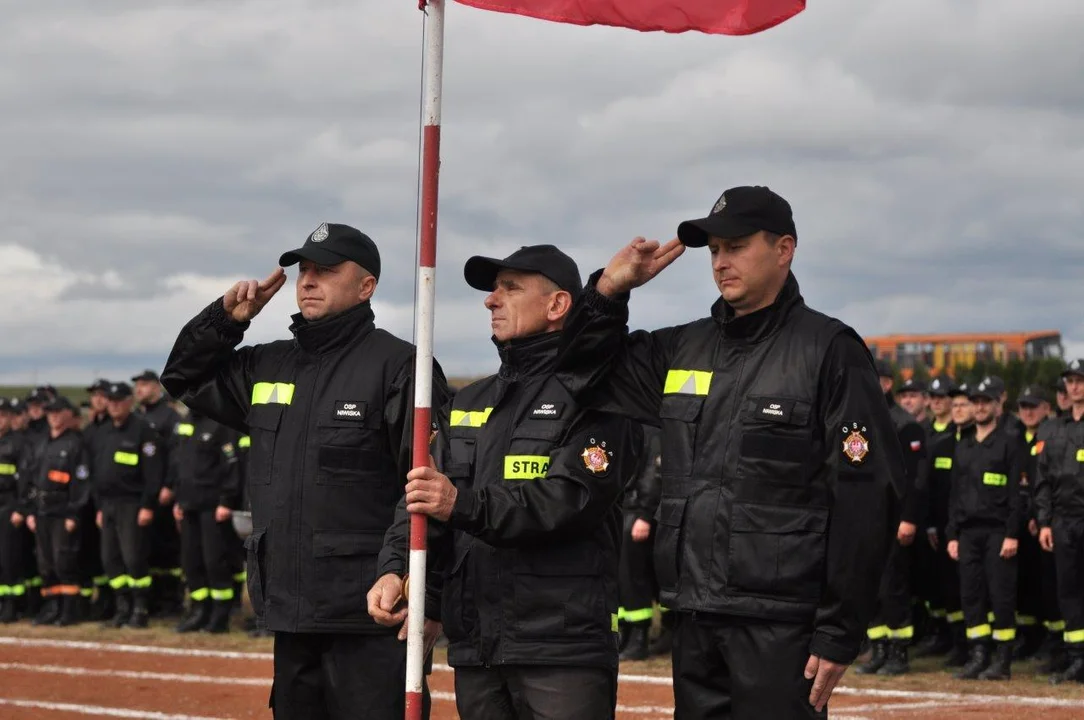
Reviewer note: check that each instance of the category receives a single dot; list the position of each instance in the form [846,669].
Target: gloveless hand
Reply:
[246,298]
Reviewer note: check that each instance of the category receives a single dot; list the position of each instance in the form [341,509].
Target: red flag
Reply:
[719,17]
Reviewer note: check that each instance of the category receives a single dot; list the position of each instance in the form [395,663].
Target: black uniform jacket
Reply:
[644,492]
[203,465]
[128,463]
[530,564]
[939,478]
[781,469]
[913,446]
[329,414]
[16,474]
[62,483]
[1059,481]
[986,481]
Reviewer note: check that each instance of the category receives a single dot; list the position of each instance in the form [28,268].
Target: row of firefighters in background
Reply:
[106,514]
[973,576]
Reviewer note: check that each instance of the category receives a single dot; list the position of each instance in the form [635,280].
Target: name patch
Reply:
[548,410]
[778,410]
[349,410]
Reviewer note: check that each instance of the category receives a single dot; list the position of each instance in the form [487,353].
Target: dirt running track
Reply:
[46,676]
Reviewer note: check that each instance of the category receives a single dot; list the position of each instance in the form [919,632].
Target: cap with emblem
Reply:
[331,244]
[119,391]
[942,386]
[99,385]
[17,405]
[1076,367]
[37,396]
[1031,396]
[546,260]
[147,375]
[5,405]
[60,403]
[738,212]
[989,388]
[912,385]
[1060,385]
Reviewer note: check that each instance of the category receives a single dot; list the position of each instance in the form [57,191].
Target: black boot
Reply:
[1031,639]
[959,653]
[197,617]
[7,610]
[636,649]
[623,632]
[938,641]
[876,660]
[123,610]
[33,601]
[102,607]
[220,617]
[1057,660]
[978,661]
[140,610]
[1001,665]
[69,611]
[49,613]
[896,663]
[1073,673]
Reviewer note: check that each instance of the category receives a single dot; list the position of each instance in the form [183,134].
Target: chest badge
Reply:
[595,457]
[855,444]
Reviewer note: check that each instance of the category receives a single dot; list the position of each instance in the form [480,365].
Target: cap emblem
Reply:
[319,234]
[719,205]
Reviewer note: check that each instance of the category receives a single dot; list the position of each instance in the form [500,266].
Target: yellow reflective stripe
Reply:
[1055,625]
[244,442]
[199,595]
[979,631]
[687,382]
[139,583]
[1080,455]
[877,633]
[186,429]
[904,633]
[995,479]
[1029,436]
[120,582]
[8,469]
[526,467]
[264,393]
[613,622]
[956,617]
[470,418]
[1026,620]
[1074,636]
[1007,635]
[125,458]
[1034,450]
[222,595]
[942,463]
[636,616]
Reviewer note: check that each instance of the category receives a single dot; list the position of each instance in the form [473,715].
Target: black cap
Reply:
[60,403]
[37,395]
[99,385]
[883,368]
[119,391]
[1060,385]
[1031,396]
[912,385]
[5,405]
[1076,367]
[942,386]
[148,374]
[738,212]
[989,387]
[16,405]
[331,244]
[481,272]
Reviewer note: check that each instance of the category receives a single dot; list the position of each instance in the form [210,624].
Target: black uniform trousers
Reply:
[893,618]
[987,583]
[58,555]
[207,553]
[636,577]
[91,571]
[948,578]
[1052,617]
[1029,591]
[733,668]
[535,692]
[125,545]
[1069,555]
[165,542]
[924,575]
[12,567]
[340,676]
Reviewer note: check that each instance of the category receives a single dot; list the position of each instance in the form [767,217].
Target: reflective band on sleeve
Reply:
[1005,635]
[186,429]
[979,631]
[878,633]
[995,479]
[470,418]
[244,442]
[59,476]
[687,382]
[125,458]
[8,469]
[1074,636]
[526,467]
[942,463]
[264,393]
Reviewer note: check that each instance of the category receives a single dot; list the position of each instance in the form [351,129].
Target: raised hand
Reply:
[636,263]
[245,299]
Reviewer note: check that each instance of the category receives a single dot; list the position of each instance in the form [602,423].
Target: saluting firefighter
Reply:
[16,475]
[61,490]
[781,470]
[526,495]
[1059,501]
[206,481]
[984,521]
[128,474]
[330,415]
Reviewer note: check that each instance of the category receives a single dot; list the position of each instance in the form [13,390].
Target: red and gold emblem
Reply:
[855,445]
[595,458]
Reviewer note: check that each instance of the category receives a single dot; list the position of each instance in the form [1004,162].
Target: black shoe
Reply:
[958,655]
[1031,639]
[1051,642]
[636,649]
[220,617]
[896,663]
[49,613]
[1001,666]
[33,602]
[122,613]
[978,661]
[197,617]
[1057,662]
[103,606]
[140,611]
[7,611]
[876,660]
[69,611]
[937,642]
[1073,673]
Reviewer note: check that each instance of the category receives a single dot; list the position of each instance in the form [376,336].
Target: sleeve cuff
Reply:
[224,323]
[829,648]
[466,506]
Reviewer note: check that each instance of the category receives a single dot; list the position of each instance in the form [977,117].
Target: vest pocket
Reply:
[263,422]
[557,593]
[667,551]
[344,568]
[255,570]
[679,415]
[777,551]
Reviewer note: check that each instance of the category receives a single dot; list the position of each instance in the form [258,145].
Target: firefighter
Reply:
[1059,501]
[330,414]
[95,581]
[781,469]
[531,499]
[31,429]
[984,519]
[205,478]
[61,489]
[16,473]
[1063,403]
[914,397]
[128,474]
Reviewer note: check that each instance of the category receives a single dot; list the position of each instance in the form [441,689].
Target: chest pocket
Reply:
[460,456]
[263,421]
[680,415]
[350,445]
[776,438]
[528,455]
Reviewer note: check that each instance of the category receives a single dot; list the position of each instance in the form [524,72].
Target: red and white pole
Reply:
[423,323]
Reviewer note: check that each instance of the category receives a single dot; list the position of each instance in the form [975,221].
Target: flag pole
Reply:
[423,323]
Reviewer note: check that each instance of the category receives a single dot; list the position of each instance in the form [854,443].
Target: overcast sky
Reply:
[154,152]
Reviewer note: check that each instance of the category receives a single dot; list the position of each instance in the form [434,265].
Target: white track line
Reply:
[100,711]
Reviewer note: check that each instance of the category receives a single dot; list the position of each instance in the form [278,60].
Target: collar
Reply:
[758,325]
[528,356]
[331,333]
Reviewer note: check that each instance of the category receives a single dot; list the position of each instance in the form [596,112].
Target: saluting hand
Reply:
[636,263]
[244,300]
[430,493]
